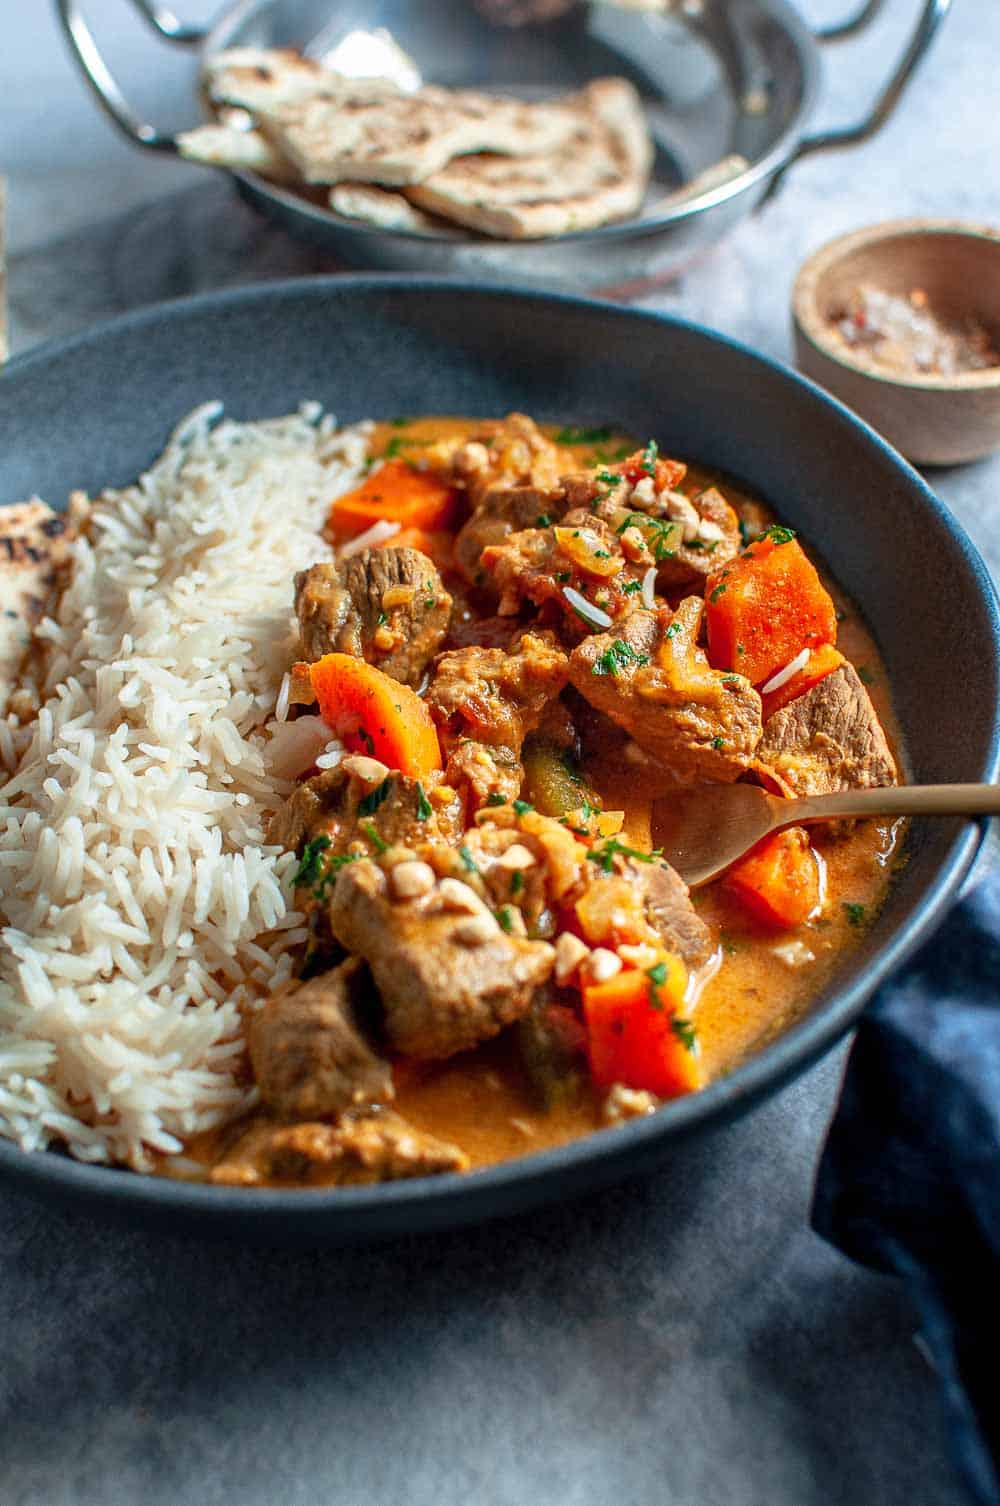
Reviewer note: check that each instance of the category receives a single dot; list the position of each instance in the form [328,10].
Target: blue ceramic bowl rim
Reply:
[791,1053]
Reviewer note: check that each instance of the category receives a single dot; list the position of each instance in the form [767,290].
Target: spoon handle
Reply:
[901,800]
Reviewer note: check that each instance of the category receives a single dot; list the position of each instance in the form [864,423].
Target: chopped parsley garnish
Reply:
[423,804]
[605,856]
[431,601]
[631,586]
[311,866]
[564,576]
[382,619]
[505,918]
[700,544]
[657,976]
[609,478]
[720,590]
[718,742]
[855,914]
[516,881]
[685,1033]
[865,675]
[779,534]
[543,520]
[745,534]
[316,871]
[468,861]
[370,804]
[495,798]
[571,435]
[379,844]
[672,630]
[730,679]
[395,446]
[522,807]
[649,455]
[616,657]
[601,554]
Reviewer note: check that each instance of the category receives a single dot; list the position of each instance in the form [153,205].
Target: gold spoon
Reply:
[703,831]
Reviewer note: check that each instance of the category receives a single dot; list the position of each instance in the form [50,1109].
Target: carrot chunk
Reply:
[778,881]
[765,607]
[821,662]
[636,1034]
[394,493]
[375,714]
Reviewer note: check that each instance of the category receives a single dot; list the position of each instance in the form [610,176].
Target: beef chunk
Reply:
[481,773]
[448,977]
[485,702]
[355,1151]
[309,1051]
[670,912]
[386,606]
[503,511]
[828,739]
[648,675]
[347,803]
[583,553]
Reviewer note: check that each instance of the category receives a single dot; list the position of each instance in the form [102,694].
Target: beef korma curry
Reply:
[525,642]
[332,844]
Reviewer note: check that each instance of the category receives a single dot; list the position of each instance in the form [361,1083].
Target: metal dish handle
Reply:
[106,91]
[933,13]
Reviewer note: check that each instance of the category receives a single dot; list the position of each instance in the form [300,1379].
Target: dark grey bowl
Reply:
[94,410]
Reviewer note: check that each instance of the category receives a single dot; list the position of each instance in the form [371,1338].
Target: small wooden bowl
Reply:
[933,420]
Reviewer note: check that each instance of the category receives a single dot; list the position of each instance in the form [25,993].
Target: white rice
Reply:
[143,903]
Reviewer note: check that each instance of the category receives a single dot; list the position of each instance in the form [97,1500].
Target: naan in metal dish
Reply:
[599,175]
[362,133]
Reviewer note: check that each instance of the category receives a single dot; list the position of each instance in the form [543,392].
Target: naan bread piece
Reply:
[34,546]
[384,209]
[262,78]
[356,132]
[720,173]
[598,176]
[245,151]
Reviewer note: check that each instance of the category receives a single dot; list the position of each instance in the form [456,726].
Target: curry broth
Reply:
[749,993]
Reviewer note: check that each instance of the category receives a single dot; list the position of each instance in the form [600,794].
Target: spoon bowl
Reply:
[703,831]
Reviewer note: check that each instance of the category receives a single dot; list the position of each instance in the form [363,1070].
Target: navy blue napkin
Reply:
[909,1180]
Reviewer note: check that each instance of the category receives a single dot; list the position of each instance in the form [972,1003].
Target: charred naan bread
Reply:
[34,545]
[599,175]
[360,132]
[262,78]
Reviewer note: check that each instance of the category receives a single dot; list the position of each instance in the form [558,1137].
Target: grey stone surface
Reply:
[684,1341]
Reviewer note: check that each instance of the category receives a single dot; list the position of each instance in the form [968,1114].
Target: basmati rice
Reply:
[144,905]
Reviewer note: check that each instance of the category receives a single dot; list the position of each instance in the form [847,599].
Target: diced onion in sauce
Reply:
[649,588]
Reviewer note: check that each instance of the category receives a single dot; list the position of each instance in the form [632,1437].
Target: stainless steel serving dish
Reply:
[717,77]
